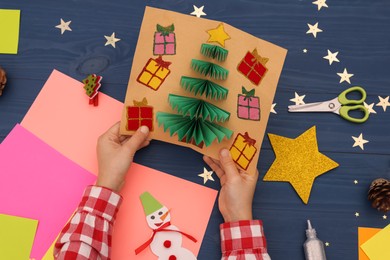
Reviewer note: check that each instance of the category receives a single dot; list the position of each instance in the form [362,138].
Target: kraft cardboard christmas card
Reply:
[202,84]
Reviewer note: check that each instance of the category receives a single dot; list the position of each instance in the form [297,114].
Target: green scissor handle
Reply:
[344,113]
[346,105]
[345,101]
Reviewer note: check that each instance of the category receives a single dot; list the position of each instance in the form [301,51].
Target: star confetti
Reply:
[383,102]
[111,40]
[345,76]
[320,4]
[206,175]
[357,214]
[198,12]
[356,181]
[384,217]
[298,161]
[331,57]
[273,108]
[313,29]
[64,26]
[327,244]
[218,35]
[359,141]
[304,50]
[370,108]
[298,99]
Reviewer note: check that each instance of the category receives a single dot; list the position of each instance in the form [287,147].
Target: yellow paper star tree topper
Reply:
[218,35]
[298,162]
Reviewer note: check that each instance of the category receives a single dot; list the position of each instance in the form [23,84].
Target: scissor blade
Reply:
[326,106]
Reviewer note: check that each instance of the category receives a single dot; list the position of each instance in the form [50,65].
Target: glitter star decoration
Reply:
[198,12]
[345,76]
[359,141]
[298,100]
[218,35]
[370,107]
[383,102]
[327,244]
[331,57]
[206,175]
[384,217]
[320,4]
[111,40]
[356,181]
[313,29]
[357,214]
[298,161]
[64,26]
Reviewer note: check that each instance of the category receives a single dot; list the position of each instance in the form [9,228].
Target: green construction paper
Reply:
[149,203]
[214,52]
[165,30]
[204,86]
[195,129]
[16,236]
[9,31]
[197,108]
[247,93]
[209,69]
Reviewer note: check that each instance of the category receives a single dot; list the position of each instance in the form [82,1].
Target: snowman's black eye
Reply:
[152,217]
[160,213]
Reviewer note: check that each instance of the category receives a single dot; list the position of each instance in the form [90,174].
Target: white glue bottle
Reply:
[314,248]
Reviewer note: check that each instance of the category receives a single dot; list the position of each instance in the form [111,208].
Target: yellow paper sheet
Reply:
[364,234]
[9,31]
[16,236]
[377,248]
[191,32]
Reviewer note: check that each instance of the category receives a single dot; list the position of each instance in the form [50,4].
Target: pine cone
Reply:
[379,194]
[3,80]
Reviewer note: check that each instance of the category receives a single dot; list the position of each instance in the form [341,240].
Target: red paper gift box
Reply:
[138,115]
[253,67]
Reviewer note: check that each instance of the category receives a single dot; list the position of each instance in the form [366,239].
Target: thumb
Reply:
[228,164]
[135,142]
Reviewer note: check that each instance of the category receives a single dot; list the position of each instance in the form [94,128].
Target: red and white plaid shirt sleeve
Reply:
[88,233]
[243,240]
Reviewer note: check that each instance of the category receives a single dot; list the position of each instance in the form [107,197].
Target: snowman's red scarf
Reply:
[162,228]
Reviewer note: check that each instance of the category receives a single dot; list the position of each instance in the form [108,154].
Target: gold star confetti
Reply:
[327,244]
[273,108]
[359,141]
[298,100]
[357,214]
[304,50]
[206,175]
[355,181]
[383,102]
[313,29]
[218,35]
[298,162]
[384,217]
[345,76]
[370,107]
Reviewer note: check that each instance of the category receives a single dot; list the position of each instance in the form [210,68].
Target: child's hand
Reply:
[115,154]
[237,188]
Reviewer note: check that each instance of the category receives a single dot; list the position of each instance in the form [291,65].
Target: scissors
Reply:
[340,105]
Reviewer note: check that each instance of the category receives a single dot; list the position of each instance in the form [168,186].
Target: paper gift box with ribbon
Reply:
[164,40]
[248,105]
[138,115]
[154,73]
[243,150]
[253,67]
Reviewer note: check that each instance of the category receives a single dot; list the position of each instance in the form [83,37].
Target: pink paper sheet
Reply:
[191,205]
[62,117]
[38,182]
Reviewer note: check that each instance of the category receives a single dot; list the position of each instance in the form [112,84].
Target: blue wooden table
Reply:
[358,29]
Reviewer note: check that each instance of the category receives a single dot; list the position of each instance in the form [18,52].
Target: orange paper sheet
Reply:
[62,117]
[191,205]
[364,234]
[190,33]
[377,247]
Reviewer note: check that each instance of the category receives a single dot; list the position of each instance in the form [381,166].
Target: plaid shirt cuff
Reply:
[100,201]
[242,236]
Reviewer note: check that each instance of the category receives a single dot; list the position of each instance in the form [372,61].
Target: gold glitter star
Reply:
[218,35]
[298,162]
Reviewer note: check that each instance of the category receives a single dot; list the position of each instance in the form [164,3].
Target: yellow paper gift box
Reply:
[154,73]
[243,150]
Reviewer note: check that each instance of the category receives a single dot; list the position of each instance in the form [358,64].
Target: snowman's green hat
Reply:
[149,203]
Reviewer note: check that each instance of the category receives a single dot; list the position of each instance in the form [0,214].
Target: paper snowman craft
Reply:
[166,239]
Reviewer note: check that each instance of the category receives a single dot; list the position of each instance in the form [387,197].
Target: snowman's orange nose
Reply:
[163,217]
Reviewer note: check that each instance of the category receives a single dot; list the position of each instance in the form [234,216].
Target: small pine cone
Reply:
[3,80]
[379,194]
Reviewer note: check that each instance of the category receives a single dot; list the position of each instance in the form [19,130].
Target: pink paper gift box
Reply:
[248,107]
[164,44]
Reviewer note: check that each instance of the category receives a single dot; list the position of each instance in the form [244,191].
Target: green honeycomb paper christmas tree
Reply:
[198,121]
